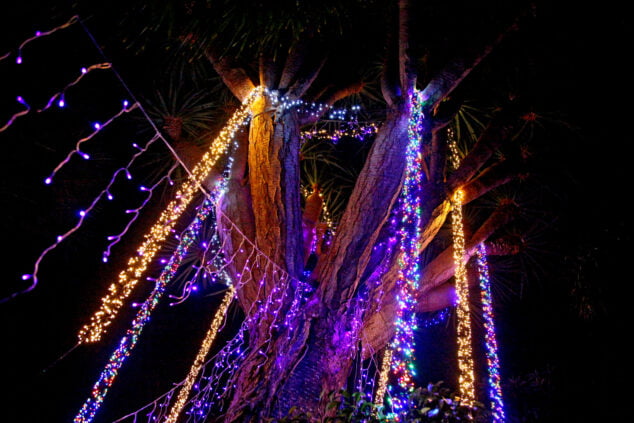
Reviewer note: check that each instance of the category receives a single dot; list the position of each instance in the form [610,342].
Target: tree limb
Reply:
[457,70]
[234,77]
[496,132]
[329,97]
[493,177]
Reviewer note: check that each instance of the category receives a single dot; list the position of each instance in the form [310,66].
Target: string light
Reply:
[106,192]
[325,216]
[409,271]
[215,375]
[464,338]
[27,109]
[98,128]
[379,397]
[129,341]
[61,103]
[194,371]
[39,34]
[128,278]
[60,95]
[352,129]
[493,362]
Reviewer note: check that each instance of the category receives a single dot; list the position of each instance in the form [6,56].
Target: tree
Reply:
[291,48]
[263,198]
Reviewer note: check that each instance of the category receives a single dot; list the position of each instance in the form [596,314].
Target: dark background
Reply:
[556,364]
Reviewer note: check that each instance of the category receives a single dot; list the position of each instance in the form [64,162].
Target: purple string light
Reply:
[106,192]
[98,128]
[27,109]
[60,95]
[39,34]
[135,212]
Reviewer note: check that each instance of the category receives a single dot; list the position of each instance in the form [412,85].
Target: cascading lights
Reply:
[466,380]
[199,362]
[379,396]
[118,291]
[410,201]
[493,362]
[129,341]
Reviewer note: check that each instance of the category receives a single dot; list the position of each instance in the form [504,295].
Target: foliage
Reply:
[432,404]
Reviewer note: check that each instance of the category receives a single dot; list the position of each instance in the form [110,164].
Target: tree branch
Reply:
[407,75]
[234,77]
[435,293]
[493,177]
[498,130]
[458,69]
[329,97]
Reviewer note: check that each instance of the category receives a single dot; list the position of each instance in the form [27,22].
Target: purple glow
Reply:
[38,33]
[26,276]
[19,99]
[84,70]
[18,60]
[82,213]
[97,125]
[61,103]
[125,103]
[86,156]
[48,181]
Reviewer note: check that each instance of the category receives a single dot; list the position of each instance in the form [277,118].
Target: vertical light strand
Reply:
[493,362]
[185,389]
[137,264]
[129,341]
[408,282]
[379,396]
[466,380]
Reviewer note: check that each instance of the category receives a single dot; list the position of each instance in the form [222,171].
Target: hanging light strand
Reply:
[379,396]
[493,362]
[466,381]
[408,281]
[40,34]
[137,264]
[129,341]
[194,371]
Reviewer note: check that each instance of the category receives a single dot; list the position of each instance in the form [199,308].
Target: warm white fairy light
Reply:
[137,264]
[199,362]
[325,214]
[465,353]
[383,375]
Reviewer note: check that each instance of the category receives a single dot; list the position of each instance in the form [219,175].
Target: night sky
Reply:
[574,363]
